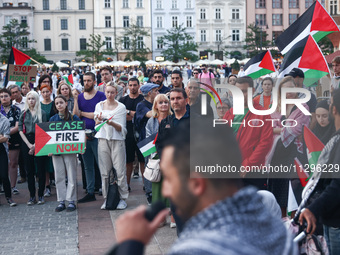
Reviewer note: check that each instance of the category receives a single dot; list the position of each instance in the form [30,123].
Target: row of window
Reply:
[64,24]
[125,4]
[174,4]
[126,21]
[235,13]
[81,4]
[23,19]
[278,3]
[64,44]
[235,35]
[261,19]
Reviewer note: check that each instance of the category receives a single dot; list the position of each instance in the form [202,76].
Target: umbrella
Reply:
[182,63]
[151,63]
[134,63]
[244,61]
[120,63]
[167,63]
[4,67]
[231,61]
[201,62]
[61,64]
[216,62]
[82,64]
[103,63]
[47,65]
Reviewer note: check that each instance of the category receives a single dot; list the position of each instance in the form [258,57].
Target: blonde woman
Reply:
[31,115]
[111,143]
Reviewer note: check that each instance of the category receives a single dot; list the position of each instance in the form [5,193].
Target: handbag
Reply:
[113,197]
[152,170]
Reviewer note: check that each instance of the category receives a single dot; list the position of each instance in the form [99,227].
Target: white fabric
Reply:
[119,116]
[21,105]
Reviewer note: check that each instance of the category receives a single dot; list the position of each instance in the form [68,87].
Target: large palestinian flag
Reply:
[307,56]
[16,57]
[260,65]
[314,21]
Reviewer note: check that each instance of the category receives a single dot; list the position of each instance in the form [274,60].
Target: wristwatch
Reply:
[128,112]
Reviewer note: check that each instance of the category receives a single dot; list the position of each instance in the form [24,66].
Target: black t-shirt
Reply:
[130,104]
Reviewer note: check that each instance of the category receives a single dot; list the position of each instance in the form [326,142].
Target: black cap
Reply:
[295,72]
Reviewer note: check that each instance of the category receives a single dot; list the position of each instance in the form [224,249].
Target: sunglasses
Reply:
[196,73]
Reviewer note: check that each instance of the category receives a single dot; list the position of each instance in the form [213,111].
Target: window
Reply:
[174,4]
[189,21]
[159,22]
[260,19]
[235,13]
[218,35]
[64,44]
[126,42]
[174,21]
[125,3]
[47,44]
[82,43]
[159,45]
[218,13]
[125,21]
[202,13]
[63,5]
[107,21]
[308,3]
[140,21]
[47,24]
[63,23]
[107,3]
[24,19]
[46,6]
[81,5]
[22,4]
[277,19]
[188,4]
[277,3]
[108,42]
[7,19]
[276,34]
[203,35]
[293,3]
[159,4]
[260,4]
[24,42]
[139,3]
[333,4]
[235,35]
[292,18]
[82,24]
[140,42]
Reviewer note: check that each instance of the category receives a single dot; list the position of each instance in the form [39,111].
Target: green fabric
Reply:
[238,118]
[47,108]
[157,193]
[30,122]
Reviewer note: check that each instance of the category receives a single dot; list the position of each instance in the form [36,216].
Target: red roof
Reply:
[330,57]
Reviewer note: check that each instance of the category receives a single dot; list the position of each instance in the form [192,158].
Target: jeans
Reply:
[332,236]
[89,157]
[4,171]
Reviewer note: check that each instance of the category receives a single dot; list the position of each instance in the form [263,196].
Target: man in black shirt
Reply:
[130,101]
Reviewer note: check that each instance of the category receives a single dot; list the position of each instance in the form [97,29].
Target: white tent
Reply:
[231,61]
[167,63]
[201,62]
[217,62]
[119,63]
[134,63]
[151,63]
[103,63]
[61,64]
[47,65]
[182,63]
[4,67]
[82,64]
[244,61]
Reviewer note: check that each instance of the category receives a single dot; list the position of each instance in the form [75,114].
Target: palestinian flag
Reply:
[147,146]
[16,57]
[303,175]
[307,56]
[69,79]
[314,21]
[314,146]
[260,65]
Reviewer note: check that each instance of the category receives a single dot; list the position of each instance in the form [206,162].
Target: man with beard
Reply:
[158,78]
[84,106]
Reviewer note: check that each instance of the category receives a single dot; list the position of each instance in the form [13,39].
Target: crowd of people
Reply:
[138,104]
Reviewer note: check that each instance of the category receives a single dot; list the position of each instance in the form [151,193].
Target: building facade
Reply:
[220,25]
[333,8]
[62,28]
[167,14]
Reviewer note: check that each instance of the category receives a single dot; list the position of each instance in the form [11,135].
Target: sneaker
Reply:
[173,225]
[15,191]
[41,200]
[88,198]
[10,202]
[32,201]
[71,207]
[60,207]
[47,192]
[135,175]
[149,199]
[103,207]
[122,205]
[52,183]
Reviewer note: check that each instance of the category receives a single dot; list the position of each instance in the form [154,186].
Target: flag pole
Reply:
[36,61]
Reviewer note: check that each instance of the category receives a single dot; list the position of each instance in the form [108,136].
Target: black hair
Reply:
[245,79]
[157,71]
[180,91]
[177,72]
[68,115]
[4,90]
[43,77]
[267,79]
[133,79]
[90,74]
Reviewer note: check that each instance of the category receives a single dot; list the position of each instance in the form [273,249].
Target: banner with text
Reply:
[22,73]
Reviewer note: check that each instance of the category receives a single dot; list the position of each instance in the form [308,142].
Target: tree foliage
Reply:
[35,55]
[326,46]
[137,49]
[256,40]
[178,45]
[94,49]
[15,35]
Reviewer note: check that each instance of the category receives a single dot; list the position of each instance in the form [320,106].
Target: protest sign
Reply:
[22,73]
[59,137]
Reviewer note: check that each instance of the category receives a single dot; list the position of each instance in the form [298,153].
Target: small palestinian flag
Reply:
[314,146]
[307,56]
[260,65]
[16,57]
[314,21]
[303,175]
[69,79]
[147,146]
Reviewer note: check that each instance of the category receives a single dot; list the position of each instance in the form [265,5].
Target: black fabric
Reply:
[132,149]
[324,133]
[113,198]
[4,170]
